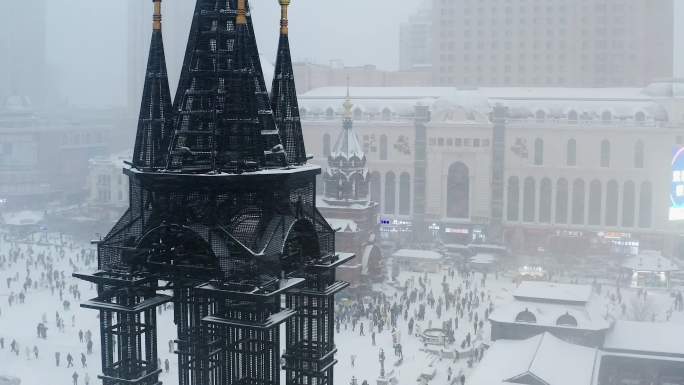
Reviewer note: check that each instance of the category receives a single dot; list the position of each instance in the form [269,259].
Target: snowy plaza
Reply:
[366,323]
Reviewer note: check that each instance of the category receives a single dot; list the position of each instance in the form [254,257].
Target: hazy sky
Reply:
[87,39]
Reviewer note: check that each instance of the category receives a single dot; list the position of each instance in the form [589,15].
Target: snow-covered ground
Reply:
[19,321]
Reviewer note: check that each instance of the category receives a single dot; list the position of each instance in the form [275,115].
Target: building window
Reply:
[606,116]
[645,205]
[538,152]
[540,115]
[386,114]
[383,147]
[458,191]
[612,203]
[562,201]
[513,199]
[358,114]
[605,153]
[545,201]
[628,204]
[566,320]
[529,199]
[404,194]
[595,203]
[571,153]
[640,117]
[390,193]
[578,202]
[326,144]
[375,186]
[639,154]
[329,113]
[526,316]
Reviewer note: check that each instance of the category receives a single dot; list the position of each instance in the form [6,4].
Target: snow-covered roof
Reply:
[454,104]
[543,357]
[347,144]
[345,225]
[649,260]
[483,258]
[22,218]
[553,292]
[548,315]
[417,254]
[646,337]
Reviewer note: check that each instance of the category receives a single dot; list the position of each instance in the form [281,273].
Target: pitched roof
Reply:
[646,337]
[542,359]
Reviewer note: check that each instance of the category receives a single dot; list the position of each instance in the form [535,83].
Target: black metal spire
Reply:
[284,96]
[224,121]
[154,122]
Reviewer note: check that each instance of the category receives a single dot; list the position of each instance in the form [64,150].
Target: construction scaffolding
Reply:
[222,223]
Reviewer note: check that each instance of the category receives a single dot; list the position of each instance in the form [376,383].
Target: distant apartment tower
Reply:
[415,41]
[595,43]
[23,64]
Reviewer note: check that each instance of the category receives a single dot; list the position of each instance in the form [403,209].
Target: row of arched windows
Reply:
[572,206]
[327,146]
[357,113]
[606,116]
[571,153]
[564,320]
[390,197]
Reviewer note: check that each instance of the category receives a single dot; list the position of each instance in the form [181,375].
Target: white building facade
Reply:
[586,164]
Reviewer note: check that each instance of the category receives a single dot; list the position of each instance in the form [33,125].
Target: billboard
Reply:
[677,185]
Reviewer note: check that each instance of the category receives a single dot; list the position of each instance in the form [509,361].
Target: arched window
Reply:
[639,154]
[513,199]
[612,203]
[640,117]
[329,113]
[578,202]
[540,115]
[628,204]
[358,113]
[562,201]
[383,147]
[529,199]
[572,116]
[545,201]
[390,193]
[605,153]
[404,194]
[645,205]
[571,153]
[567,320]
[458,191]
[606,116]
[538,152]
[326,144]
[386,114]
[526,316]
[595,202]
[375,186]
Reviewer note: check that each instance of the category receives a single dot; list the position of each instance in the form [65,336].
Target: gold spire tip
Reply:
[348,105]
[283,16]
[157,18]
[241,18]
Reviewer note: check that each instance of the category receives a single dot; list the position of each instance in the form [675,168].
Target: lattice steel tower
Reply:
[223,217]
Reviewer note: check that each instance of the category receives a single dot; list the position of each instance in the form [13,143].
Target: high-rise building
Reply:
[23,64]
[552,42]
[415,41]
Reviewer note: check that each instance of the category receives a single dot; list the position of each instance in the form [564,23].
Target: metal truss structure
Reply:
[222,219]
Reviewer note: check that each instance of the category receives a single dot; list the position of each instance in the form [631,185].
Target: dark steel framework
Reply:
[222,216]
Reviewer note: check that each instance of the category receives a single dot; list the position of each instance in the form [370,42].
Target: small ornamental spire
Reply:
[348,105]
[157,18]
[283,16]
[241,18]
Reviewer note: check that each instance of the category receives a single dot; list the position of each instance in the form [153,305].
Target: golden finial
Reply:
[348,105]
[157,18]
[283,16]
[241,18]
